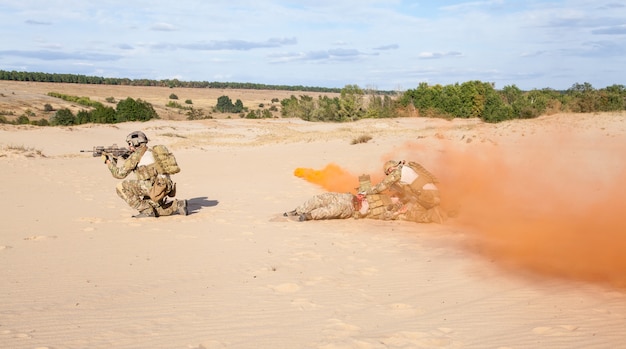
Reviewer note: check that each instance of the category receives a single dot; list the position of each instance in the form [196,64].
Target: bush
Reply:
[173,96]
[135,110]
[47,107]
[63,117]
[22,120]
[361,139]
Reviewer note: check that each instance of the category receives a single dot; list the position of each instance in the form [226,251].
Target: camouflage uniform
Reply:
[136,192]
[417,189]
[378,206]
[328,206]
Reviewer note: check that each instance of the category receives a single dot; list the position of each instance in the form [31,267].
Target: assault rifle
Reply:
[113,152]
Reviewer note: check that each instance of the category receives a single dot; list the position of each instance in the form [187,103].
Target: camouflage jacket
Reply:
[130,164]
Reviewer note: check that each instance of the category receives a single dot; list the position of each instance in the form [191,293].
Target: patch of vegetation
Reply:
[258,114]
[22,151]
[75,99]
[127,110]
[225,105]
[170,134]
[197,114]
[361,139]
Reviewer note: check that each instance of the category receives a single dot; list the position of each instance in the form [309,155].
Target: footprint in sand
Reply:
[305,255]
[336,328]
[435,339]
[90,219]
[211,344]
[403,309]
[554,331]
[303,304]
[3,247]
[285,288]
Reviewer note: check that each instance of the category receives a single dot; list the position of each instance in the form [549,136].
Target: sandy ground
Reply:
[534,258]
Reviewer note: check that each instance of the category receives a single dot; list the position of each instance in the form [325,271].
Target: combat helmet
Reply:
[389,165]
[136,138]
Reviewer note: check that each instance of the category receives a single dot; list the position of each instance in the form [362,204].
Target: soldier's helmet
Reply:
[136,138]
[389,165]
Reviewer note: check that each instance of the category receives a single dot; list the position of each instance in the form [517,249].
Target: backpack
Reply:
[165,160]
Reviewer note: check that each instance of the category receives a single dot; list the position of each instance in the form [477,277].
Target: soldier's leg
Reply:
[334,210]
[133,194]
[310,205]
[173,207]
[415,213]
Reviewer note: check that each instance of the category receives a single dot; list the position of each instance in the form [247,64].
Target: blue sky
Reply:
[382,44]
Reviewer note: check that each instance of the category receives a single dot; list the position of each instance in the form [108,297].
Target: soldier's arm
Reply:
[386,183]
[129,165]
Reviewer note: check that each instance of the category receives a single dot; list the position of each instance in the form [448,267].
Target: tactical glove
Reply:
[104,158]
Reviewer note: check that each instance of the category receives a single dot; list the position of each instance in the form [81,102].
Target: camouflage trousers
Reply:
[328,206]
[136,194]
[417,213]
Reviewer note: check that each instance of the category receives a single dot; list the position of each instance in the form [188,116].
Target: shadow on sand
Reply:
[196,204]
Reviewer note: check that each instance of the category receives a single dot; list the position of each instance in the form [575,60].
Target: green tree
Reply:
[135,110]
[104,115]
[225,105]
[63,117]
[327,109]
[351,103]
[290,108]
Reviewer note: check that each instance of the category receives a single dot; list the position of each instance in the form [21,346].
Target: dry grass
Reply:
[17,97]
[361,139]
[13,151]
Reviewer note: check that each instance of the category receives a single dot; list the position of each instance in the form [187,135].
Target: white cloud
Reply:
[533,44]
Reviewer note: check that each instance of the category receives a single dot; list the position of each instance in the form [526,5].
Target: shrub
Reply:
[173,96]
[361,139]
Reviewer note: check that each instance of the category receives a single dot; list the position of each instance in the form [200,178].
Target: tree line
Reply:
[98,80]
[471,99]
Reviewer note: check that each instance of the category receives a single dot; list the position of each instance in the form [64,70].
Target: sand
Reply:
[533,259]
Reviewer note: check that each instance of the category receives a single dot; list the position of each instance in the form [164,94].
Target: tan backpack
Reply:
[165,160]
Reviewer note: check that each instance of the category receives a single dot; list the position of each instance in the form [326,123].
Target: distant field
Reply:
[18,97]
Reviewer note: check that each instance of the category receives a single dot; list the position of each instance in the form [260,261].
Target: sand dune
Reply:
[534,258]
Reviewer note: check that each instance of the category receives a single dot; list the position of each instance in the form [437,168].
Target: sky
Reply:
[391,45]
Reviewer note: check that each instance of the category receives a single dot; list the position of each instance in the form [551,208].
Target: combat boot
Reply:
[146,213]
[172,192]
[182,207]
[305,217]
[290,213]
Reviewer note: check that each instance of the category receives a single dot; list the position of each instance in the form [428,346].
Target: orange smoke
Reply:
[557,209]
[332,178]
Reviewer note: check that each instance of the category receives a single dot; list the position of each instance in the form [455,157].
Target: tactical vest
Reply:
[424,178]
[145,172]
[378,204]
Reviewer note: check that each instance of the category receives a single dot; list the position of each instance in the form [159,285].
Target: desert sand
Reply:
[534,257]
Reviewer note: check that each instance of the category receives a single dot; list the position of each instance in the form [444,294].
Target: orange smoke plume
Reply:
[535,208]
[332,178]
[555,208]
